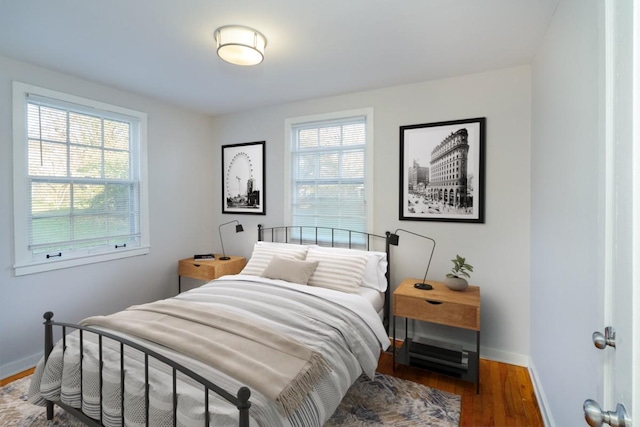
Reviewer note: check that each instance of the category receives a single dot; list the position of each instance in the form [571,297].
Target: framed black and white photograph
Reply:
[243,178]
[442,171]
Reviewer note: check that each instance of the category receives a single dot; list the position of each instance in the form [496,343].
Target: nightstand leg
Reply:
[406,331]
[179,284]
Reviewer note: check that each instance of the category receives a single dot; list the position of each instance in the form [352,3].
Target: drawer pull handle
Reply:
[433,302]
[196,265]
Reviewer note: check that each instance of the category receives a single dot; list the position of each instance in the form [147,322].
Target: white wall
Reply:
[185,216]
[181,206]
[498,249]
[567,210]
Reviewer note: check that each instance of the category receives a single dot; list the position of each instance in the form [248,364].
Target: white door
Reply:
[621,374]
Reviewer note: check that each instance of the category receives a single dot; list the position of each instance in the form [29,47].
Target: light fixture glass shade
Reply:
[240,45]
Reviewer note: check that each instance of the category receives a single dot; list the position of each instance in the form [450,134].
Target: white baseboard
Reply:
[18,366]
[504,357]
[542,399]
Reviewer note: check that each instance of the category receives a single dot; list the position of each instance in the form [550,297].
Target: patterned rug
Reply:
[386,401]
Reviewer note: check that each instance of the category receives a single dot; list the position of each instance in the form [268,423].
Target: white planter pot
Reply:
[456,283]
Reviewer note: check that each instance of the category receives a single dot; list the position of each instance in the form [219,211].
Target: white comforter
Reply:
[343,327]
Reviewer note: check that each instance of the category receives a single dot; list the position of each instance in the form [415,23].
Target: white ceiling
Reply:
[165,48]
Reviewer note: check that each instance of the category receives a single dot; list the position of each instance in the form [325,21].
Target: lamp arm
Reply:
[220,233]
[429,263]
[221,244]
[432,249]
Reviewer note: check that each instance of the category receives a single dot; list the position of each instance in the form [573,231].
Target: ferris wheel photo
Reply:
[243,178]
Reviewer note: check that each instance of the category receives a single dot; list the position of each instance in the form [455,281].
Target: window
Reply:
[79,181]
[328,172]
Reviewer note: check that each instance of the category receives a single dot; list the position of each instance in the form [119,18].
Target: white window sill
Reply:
[24,269]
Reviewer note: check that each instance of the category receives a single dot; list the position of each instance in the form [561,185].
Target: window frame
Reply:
[24,263]
[338,116]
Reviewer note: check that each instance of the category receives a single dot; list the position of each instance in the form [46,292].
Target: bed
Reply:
[277,345]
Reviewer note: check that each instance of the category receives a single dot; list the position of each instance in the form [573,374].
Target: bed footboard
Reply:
[240,401]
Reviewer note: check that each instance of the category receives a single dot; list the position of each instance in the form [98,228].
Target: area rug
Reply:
[385,401]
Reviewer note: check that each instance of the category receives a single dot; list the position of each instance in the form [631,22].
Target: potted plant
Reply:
[454,281]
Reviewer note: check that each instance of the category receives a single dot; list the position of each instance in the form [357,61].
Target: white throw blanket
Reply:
[280,367]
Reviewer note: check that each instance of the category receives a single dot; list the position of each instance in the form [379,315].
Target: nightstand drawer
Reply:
[445,313]
[197,270]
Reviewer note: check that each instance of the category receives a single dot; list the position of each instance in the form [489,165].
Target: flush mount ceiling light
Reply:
[240,45]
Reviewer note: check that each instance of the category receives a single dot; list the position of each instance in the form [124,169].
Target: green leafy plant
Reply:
[460,268]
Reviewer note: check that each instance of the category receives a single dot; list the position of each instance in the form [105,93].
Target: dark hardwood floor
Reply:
[506,397]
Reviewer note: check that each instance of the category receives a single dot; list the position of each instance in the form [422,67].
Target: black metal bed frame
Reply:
[241,400]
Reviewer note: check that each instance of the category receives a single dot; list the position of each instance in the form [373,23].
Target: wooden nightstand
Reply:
[209,269]
[446,307]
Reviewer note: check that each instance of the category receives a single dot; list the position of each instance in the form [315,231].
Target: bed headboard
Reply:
[333,237]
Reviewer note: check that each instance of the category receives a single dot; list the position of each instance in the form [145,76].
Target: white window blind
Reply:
[82,184]
[329,171]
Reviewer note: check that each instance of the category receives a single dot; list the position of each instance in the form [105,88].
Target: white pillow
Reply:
[291,270]
[281,245]
[375,274]
[264,251]
[340,272]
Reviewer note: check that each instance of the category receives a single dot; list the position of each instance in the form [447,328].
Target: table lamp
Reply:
[238,230]
[394,239]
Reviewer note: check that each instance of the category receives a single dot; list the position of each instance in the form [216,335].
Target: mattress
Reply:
[376,298]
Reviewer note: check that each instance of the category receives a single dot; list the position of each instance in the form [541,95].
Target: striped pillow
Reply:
[343,272]
[375,273]
[262,254]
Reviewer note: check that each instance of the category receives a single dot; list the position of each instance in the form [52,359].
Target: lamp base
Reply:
[224,258]
[423,286]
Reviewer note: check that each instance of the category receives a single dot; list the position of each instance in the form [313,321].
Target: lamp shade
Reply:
[240,45]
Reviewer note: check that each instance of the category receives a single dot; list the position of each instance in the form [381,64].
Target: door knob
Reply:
[608,339]
[595,416]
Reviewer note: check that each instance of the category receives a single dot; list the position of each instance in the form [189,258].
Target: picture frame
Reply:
[244,178]
[442,171]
